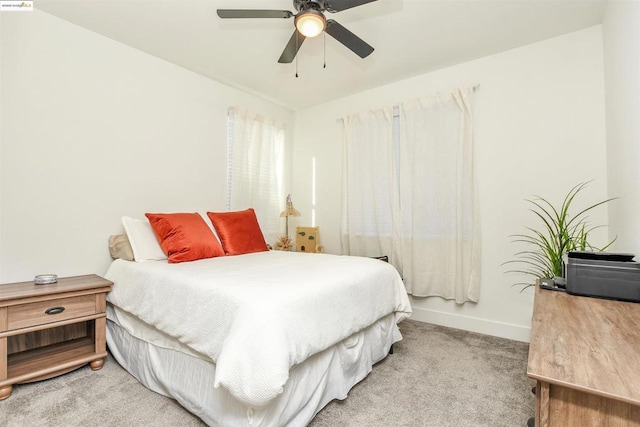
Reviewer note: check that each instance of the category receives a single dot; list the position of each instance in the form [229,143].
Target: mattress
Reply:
[171,368]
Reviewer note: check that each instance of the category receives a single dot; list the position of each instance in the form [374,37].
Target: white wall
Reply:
[539,129]
[621,39]
[93,130]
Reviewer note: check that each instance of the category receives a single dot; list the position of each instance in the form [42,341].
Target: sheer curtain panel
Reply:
[440,243]
[255,168]
[369,203]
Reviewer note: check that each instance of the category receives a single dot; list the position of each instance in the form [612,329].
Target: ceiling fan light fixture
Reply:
[310,23]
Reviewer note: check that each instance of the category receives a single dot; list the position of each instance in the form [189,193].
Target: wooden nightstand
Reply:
[48,330]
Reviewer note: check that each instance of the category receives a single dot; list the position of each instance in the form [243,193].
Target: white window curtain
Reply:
[369,184]
[425,191]
[255,168]
[440,243]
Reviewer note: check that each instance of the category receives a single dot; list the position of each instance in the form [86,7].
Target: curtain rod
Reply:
[395,107]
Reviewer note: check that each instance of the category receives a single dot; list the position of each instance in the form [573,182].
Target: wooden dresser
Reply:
[47,330]
[585,355]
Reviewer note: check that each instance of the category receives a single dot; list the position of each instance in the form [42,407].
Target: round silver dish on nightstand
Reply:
[45,279]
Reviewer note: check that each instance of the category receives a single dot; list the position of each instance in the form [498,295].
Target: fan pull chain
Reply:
[297,48]
[324,49]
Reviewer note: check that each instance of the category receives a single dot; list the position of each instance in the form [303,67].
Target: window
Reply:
[370,187]
[255,161]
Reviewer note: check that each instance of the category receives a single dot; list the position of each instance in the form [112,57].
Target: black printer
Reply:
[603,275]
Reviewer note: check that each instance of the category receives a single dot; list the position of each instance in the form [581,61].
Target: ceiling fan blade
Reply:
[253,13]
[347,38]
[339,5]
[290,51]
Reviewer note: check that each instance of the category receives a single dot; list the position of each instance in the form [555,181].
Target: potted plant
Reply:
[560,231]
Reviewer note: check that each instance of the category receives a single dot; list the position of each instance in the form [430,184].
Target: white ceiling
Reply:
[410,37]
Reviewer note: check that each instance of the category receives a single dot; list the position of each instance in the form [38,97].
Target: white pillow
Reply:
[210,224]
[143,240]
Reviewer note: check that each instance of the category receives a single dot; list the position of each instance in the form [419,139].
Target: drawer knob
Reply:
[54,310]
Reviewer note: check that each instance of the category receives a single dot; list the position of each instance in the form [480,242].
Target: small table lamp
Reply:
[288,211]
[285,243]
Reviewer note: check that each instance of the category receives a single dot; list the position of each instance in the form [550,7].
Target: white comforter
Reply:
[257,315]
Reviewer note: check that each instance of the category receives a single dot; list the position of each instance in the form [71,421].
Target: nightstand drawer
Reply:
[38,313]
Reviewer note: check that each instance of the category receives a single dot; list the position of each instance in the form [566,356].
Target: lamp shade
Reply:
[310,23]
[289,210]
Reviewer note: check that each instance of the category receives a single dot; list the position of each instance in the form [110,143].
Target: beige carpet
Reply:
[437,377]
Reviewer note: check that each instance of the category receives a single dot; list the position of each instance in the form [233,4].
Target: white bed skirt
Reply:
[168,368]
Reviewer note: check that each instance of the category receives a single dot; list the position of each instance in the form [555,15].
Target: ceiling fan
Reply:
[309,22]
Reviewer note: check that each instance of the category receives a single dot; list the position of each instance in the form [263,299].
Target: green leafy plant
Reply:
[560,233]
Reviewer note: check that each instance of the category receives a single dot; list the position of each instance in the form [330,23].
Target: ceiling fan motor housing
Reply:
[302,5]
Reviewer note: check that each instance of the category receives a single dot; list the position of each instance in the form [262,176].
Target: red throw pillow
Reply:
[184,236]
[239,232]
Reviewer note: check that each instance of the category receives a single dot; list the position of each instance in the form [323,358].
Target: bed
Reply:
[259,339]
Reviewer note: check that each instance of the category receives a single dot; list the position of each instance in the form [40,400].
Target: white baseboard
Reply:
[473,324]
